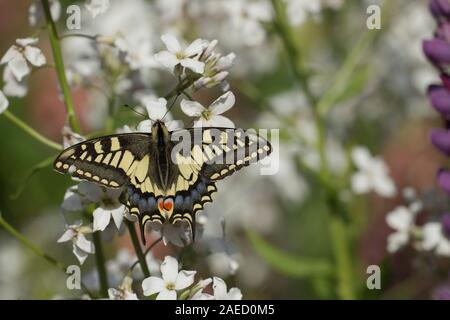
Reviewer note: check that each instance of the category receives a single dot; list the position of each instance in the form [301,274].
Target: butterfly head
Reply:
[160,132]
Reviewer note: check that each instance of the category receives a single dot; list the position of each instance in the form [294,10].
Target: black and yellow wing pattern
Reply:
[166,176]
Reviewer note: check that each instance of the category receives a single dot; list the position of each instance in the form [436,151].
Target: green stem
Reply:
[338,230]
[36,250]
[181,86]
[59,65]
[294,55]
[100,260]
[145,253]
[340,245]
[137,248]
[25,127]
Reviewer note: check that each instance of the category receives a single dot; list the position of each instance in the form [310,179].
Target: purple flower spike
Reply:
[440,138]
[440,9]
[443,179]
[446,223]
[445,78]
[437,50]
[439,98]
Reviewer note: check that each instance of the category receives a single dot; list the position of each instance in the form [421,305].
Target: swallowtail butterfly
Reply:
[167,176]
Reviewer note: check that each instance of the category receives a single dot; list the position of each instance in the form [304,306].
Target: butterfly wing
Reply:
[108,160]
[211,154]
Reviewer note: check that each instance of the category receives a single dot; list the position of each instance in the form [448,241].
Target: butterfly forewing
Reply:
[108,160]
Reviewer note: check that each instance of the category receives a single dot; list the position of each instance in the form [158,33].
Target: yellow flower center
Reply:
[206,114]
[170,286]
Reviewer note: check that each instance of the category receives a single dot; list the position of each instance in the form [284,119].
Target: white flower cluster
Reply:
[175,284]
[431,236]
[18,61]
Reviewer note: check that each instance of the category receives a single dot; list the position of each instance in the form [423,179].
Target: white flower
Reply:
[81,246]
[175,55]
[401,219]
[221,293]
[434,239]
[196,293]
[69,137]
[298,10]
[12,87]
[73,201]
[124,292]
[36,12]
[17,56]
[156,110]
[171,282]
[215,66]
[372,174]
[109,205]
[4,103]
[97,7]
[211,116]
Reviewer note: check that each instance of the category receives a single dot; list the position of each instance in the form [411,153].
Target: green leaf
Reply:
[355,85]
[293,266]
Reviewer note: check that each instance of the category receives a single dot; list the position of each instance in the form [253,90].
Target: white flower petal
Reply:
[19,67]
[23,42]
[12,87]
[4,103]
[384,186]
[191,108]
[400,219]
[84,244]
[202,296]
[72,200]
[167,59]
[220,289]
[117,215]
[221,121]
[10,54]
[194,65]
[184,279]
[171,43]
[223,103]
[225,62]
[234,294]
[397,240]
[167,295]
[156,108]
[97,7]
[173,125]
[35,56]
[202,123]
[360,183]
[194,48]
[80,254]
[101,218]
[67,235]
[431,235]
[145,126]
[152,285]
[361,156]
[169,269]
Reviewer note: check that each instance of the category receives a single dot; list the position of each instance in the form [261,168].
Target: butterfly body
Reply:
[163,184]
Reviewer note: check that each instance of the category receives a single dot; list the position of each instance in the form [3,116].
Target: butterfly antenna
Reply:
[171,105]
[134,110]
